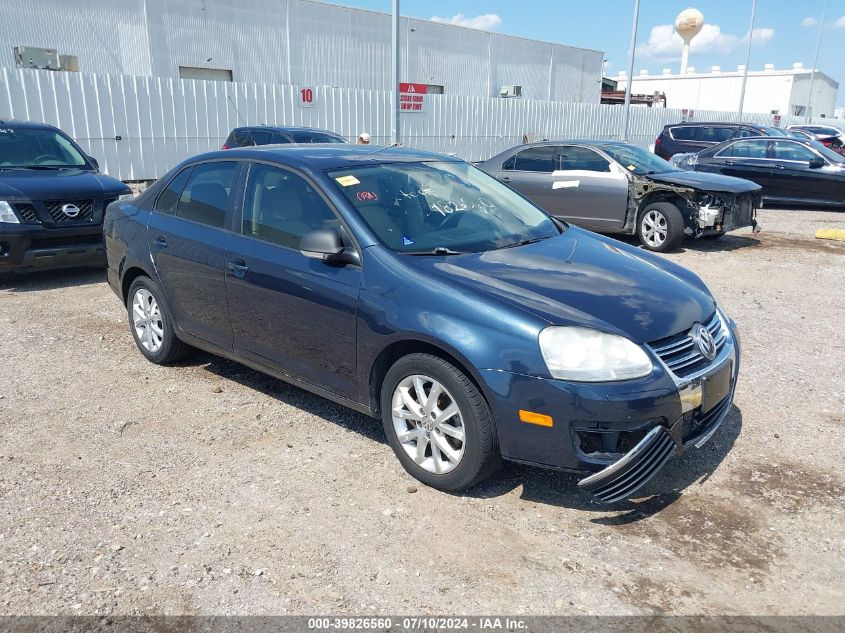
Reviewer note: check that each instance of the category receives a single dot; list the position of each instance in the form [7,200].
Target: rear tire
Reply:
[660,227]
[438,423]
[152,325]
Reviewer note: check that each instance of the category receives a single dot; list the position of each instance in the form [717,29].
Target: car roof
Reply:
[17,123]
[598,142]
[759,126]
[323,156]
[286,128]
[803,141]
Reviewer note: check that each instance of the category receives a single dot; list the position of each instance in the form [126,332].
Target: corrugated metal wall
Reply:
[163,121]
[298,42]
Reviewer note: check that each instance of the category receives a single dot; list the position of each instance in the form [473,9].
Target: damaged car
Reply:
[615,187]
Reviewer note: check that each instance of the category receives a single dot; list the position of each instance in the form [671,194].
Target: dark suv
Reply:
[267,135]
[52,200]
[681,138]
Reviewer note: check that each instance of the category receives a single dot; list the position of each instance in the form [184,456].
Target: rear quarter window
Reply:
[686,133]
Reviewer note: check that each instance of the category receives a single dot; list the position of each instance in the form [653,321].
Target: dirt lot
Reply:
[209,488]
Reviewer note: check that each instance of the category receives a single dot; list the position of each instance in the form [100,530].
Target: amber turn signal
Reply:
[535,418]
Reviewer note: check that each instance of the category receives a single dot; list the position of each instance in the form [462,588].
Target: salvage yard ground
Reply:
[208,488]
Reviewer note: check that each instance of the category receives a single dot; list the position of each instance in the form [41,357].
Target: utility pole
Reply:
[747,59]
[627,113]
[394,88]
[815,63]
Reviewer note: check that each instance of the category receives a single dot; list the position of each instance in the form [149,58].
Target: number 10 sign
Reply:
[307,97]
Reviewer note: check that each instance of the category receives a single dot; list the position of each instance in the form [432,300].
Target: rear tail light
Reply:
[225,147]
[657,141]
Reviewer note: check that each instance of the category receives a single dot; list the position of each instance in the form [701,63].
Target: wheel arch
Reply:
[672,197]
[397,349]
[130,275]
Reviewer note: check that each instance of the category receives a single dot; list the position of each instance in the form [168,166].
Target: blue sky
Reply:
[785,32]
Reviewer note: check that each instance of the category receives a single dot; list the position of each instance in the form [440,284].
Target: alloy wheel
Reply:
[654,228]
[147,320]
[428,424]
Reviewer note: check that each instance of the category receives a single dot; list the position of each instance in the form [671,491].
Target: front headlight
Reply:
[584,355]
[7,216]
[126,196]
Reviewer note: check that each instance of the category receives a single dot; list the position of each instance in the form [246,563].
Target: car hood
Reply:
[705,181]
[72,183]
[580,278]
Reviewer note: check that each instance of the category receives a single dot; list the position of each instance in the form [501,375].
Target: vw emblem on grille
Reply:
[71,210]
[703,339]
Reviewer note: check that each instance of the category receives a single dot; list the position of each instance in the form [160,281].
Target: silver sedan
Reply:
[615,187]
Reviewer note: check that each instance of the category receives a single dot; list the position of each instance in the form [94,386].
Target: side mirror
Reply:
[817,163]
[327,245]
[94,162]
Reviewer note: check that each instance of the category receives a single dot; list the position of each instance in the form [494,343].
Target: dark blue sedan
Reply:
[417,289]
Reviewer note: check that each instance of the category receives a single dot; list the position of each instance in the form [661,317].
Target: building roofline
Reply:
[456,26]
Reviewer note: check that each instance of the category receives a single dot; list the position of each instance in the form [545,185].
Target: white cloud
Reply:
[809,21]
[760,37]
[484,22]
[664,44]
[840,23]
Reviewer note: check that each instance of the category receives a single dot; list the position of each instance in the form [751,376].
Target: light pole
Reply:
[815,63]
[626,114]
[394,75]
[747,59]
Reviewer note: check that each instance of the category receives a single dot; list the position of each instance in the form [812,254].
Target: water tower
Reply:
[688,24]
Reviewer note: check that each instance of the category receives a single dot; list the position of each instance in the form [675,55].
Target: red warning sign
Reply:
[412,97]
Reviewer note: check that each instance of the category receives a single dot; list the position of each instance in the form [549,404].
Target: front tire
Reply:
[152,325]
[661,227]
[438,423]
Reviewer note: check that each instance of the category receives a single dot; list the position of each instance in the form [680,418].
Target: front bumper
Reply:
[26,249]
[618,434]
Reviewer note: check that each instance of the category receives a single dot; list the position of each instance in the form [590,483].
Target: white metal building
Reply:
[289,42]
[768,91]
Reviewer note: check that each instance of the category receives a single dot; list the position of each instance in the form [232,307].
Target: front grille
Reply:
[27,213]
[86,211]
[680,353]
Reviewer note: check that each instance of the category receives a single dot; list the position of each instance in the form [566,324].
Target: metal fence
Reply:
[139,127]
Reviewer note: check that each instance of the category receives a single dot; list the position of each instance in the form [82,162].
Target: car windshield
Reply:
[441,208]
[315,137]
[637,160]
[37,147]
[828,153]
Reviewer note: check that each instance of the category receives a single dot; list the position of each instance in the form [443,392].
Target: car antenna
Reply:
[241,119]
[381,149]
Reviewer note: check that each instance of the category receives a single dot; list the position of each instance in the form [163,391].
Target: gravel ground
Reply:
[208,488]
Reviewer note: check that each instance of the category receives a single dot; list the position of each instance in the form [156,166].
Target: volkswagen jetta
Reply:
[417,289]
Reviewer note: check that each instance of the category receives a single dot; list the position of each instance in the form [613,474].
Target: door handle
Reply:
[505,179]
[238,268]
[160,242]
[730,162]
[776,166]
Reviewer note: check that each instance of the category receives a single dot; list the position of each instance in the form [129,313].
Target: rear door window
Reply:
[581,158]
[746,149]
[538,159]
[207,195]
[716,134]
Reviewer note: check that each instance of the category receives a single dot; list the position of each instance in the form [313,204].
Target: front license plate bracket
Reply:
[716,387]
